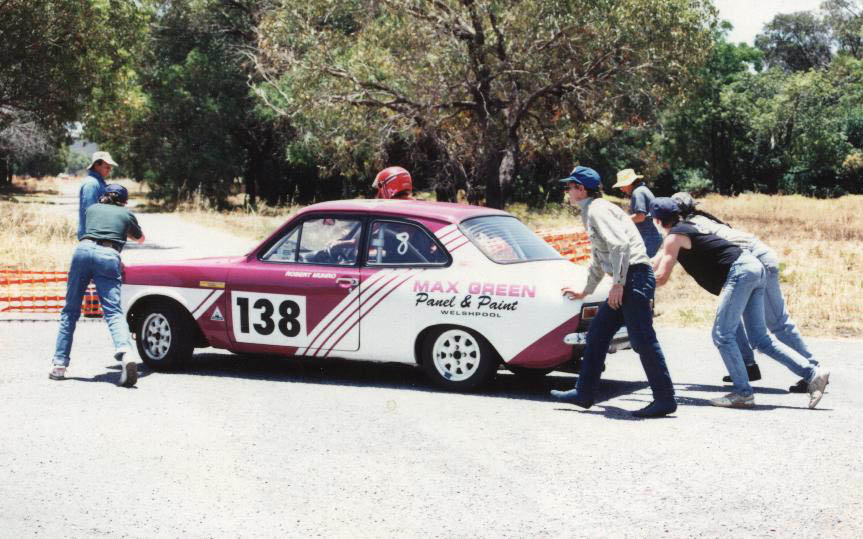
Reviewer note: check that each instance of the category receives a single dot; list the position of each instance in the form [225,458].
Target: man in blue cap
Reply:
[738,278]
[617,249]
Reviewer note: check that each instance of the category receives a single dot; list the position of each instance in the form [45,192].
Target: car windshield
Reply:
[505,239]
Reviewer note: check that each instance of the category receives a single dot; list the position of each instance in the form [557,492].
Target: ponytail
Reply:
[708,215]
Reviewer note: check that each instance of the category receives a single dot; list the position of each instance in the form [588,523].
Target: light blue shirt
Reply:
[92,189]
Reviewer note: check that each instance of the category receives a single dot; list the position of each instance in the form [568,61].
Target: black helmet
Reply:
[121,194]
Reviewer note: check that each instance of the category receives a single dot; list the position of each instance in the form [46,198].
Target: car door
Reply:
[300,296]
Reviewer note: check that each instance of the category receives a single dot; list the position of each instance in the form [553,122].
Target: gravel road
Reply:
[251,447]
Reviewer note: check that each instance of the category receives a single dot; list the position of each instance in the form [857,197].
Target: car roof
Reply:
[444,211]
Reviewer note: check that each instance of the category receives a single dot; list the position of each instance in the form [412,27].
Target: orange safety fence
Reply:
[28,291]
[574,245]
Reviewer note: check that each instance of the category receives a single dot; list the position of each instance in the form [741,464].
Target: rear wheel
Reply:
[165,337]
[457,358]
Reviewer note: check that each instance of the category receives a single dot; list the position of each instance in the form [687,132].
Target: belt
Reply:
[107,243]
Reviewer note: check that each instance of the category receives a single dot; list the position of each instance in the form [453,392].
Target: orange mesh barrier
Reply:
[574,245]
[26,291]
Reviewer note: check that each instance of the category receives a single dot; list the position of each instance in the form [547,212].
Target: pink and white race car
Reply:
[459,290]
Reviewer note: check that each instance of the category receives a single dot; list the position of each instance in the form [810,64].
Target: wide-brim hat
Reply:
[626,177]
[102,156]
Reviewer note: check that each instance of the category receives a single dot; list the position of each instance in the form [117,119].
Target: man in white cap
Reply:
[639,208]
[93,187]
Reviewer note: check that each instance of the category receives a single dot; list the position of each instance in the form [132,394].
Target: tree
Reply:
[480,81]
[845,20]
[188,122]
[56,54]
[796,42]
[708,133]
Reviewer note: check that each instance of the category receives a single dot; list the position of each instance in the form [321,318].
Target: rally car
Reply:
[459,290]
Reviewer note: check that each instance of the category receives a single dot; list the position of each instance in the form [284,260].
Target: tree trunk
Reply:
[508,168]
[5,170]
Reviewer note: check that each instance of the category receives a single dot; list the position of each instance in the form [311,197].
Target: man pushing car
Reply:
[617,249]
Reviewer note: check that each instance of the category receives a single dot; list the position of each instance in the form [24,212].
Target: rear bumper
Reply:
[620,341]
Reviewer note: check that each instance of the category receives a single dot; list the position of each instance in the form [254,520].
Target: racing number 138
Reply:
[288,312]
[268,318]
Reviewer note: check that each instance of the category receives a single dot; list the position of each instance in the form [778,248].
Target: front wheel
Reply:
[165,337]
[457,358]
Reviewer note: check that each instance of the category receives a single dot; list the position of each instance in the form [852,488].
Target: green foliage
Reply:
[475,86]
[796,42]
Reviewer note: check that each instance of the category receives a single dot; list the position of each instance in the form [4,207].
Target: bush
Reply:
[694,182]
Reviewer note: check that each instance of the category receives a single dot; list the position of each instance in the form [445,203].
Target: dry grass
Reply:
[31,238]
[250,224]
[818,242]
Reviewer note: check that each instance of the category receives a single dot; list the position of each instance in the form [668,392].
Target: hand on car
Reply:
[571,293]
[615,296]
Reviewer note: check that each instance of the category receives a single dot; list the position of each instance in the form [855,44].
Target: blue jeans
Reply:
[776,317]
[637,315]
[742,296]
[101,265]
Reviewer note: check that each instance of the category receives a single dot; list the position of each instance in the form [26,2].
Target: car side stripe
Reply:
[339,310]
[207,303]
[459,246]
[365,312]
[358,311]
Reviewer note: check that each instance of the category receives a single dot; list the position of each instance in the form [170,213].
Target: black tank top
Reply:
[710,258]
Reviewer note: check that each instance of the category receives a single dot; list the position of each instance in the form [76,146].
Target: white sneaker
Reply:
[817,386]
[58,372]
[129,370]
[734,400]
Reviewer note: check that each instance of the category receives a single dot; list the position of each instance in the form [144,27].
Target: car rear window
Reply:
[505,239]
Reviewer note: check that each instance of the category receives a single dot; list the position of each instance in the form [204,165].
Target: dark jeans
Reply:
[636,314]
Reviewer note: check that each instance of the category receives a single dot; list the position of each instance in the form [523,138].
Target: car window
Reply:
[324,240]
[393,242]
[505,239]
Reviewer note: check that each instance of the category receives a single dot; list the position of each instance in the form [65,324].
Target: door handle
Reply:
[348,282]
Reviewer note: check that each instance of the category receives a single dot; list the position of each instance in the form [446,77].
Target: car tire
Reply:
[165,337]
[457,358]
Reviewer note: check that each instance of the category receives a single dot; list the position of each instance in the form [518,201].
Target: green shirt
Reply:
[110,222]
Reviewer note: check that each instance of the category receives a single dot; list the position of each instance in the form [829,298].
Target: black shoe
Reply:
[799,387]
[571,397]
[657,409]
[753,371]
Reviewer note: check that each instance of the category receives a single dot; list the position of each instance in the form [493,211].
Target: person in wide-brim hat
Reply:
[639,208]
[101,156]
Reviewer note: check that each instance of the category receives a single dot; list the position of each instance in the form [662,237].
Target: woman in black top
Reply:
[737,277]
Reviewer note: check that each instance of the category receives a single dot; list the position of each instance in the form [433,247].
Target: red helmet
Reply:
[393,181]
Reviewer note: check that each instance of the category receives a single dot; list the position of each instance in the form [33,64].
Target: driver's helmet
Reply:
[393,182]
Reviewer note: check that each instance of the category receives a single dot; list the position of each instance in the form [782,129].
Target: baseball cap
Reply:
[585,176]
[104,156]
[122,192]
[664,207]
